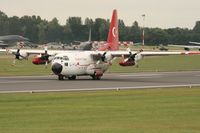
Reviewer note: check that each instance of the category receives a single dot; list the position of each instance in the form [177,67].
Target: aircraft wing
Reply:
[94,53]
[131,58]
[143,53]
[32,51]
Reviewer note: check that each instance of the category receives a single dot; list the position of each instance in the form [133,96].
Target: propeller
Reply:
[103,57]
[18,56]
[45,56]
[135,57]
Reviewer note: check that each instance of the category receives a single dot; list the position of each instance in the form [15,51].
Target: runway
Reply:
[108,82]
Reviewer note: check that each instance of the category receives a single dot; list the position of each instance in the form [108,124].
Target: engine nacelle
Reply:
[127,62]
[108,57]
[40,60]
[138,57]
[22,55]
[131,61]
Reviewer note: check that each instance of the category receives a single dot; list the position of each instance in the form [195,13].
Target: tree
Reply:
[122,30]
[101,29]
[14,25]
[75,24]
[54,31]
[4,24]
[42,32]
[29,27]
[136,34]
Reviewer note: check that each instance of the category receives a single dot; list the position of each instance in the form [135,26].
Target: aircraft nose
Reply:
[57,68]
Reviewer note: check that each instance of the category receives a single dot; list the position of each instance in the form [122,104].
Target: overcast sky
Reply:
[159,13]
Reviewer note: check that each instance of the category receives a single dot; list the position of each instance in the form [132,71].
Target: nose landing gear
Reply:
[60,77]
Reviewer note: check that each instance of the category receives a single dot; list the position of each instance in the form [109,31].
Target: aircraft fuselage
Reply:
[78,64]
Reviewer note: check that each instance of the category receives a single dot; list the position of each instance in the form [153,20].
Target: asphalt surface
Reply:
[108,81]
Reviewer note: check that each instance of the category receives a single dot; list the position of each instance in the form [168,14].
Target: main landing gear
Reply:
[94,77]
[61,77]
[73,77]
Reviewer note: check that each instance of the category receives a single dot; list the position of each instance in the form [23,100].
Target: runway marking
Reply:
[140,75]
[13,82]
[97,89]
[8,77]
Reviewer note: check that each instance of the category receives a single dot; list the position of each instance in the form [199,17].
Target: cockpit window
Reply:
[61,58]
[65,58]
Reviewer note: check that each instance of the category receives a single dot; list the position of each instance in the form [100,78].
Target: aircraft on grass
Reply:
[195,45]
[70,64]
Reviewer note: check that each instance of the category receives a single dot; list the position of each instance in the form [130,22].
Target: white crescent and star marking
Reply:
[114,31]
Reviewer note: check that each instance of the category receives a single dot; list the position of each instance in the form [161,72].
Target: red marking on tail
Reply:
[113,35]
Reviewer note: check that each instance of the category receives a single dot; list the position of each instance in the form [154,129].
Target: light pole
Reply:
[143,16]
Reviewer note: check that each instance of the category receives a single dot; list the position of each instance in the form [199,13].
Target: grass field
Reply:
[148,64]
[173,110]
[24,67]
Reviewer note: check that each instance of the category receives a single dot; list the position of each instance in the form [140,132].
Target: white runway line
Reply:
[14,82]
[140,75]
[9,77]
[97,89]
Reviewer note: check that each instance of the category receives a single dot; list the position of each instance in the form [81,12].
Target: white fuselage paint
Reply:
[79,63]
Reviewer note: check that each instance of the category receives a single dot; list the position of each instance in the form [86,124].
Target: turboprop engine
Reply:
[131,60]
[42,59]
[106,57]
[20,55]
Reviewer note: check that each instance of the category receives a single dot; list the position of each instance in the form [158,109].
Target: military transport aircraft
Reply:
[70,64]
[86,45]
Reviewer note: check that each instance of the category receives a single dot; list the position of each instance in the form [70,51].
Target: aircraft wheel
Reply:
[96,77]
[60,77]
[72,77]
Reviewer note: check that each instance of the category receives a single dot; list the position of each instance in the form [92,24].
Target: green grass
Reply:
[173,110]
[24,67]
[148,64]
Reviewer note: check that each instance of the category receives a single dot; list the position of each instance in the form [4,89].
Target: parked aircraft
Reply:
[87,45]
[70,64]
[195,45]
[12,40]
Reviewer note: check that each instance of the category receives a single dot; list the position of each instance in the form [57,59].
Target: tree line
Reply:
[40,31]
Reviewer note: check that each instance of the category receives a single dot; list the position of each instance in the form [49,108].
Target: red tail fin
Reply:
[113,36]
